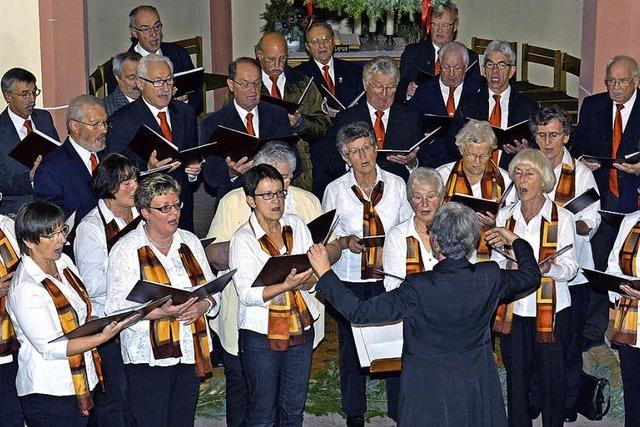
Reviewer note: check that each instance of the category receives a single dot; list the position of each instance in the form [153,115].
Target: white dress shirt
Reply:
[373,117]
[565,267]
[331,70]
[18,123]
[246,254]
[625,113]
[243,116]
[8,227]
[85,155]
[142,51]
[268,83]
[43,367]
[504,106]
[392,209]
[123,272]
[457,93]
[584,181]
[90,249]
[394,255]
[155,111]
[613,265]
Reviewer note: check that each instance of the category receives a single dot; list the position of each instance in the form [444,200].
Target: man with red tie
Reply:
[173,119]
[609,126]
[18,120]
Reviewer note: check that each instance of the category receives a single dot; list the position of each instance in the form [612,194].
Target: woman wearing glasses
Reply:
[370,201]
[46,300]
[166,355]
[275,322]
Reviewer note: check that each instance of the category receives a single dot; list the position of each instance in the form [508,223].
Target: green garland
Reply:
[376,9]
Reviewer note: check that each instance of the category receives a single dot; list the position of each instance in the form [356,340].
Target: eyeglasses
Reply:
[382,89]
[62,232]
[159,83]
[246,85]
[490,65]
[278,60]
[622,82]
[419,198]
[320,40]
[165,209]
[280,194]
[476,157]
[544,135]
[443,25]
[449,68]
[146,29]
[364,150]
[103,123]
[28,93]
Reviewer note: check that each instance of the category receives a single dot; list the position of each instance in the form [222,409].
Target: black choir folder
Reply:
[277,268]
[372,241]
[436,124]
[586,199]
[144,291]
[97,325]
[516,132]
[613,218]
[603,282]
[34,145]
[291,107]
[428,139]
[334,103]
[322,227]
[607,162]
[146,140]
[226,142]
[478,205]
[188,81]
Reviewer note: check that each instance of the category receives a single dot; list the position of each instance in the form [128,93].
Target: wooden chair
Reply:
[543,56]
[98,80]
[571,65]
[479,45]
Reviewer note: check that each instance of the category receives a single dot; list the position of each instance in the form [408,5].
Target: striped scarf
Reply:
[566,189]
[164,334]
[625,324]
[69,321]
[289,315]
[371,260]
[111,229]
[414,263]
[8,341]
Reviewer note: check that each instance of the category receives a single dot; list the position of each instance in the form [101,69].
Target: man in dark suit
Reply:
[16,122]
[424,55]
[499,103]
[609,126]
[244,113]
[125,66]
[64,176]
[174,120]
[395,125]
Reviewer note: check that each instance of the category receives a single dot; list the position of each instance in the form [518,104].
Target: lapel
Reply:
[177,129]
[233,120]
[75,162]
[429,55]
[145,115]
[606,123]
[11,137]
[394,125]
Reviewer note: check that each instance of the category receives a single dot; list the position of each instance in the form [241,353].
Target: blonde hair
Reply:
[475,132]
[535,159]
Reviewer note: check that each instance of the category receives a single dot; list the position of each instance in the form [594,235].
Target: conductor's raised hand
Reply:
[319,258]
[500,236]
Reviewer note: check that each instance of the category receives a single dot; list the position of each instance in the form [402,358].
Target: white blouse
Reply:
[43,367]
[8,227]
[123,272]
[476,189]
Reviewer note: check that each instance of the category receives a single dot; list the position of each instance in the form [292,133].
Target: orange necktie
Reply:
[250,129]
[378,129]
[436,67]
[93,162]
[451,103]
[495,119]
[328,80]
[275,91]
[27,125]
[164,125]
[615,144]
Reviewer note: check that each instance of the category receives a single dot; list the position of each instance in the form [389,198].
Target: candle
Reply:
[357,25]
[372,25]
[389,31]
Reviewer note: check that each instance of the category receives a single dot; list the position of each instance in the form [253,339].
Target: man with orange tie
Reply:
[64,175]
[609,126]
[173,119]
[16,122]
[245,113]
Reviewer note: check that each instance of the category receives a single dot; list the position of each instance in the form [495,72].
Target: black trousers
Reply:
[573,357]
[236,390]
[528,362]
[111,405]
[630,368]
[43,410]
[10,410]
[162,396]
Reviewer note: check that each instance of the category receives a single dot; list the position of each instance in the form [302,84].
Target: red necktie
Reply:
[328,80]
[451,103]
[164,125]
[250,129]
[436,67]
[378,129]
[275,91]
[495,119]
[615,144]
[27,125]
[93,162]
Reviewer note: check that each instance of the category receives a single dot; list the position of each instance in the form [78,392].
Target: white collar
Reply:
[504,95]
[257,228]
[372,110]
[243,113]
[320,64]
[142,51]
[109,215]
[545,212]
[629,104]
[34,270]
[155,110]
[18,122]
[82,152]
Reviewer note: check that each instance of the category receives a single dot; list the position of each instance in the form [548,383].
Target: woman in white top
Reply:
[535,328]
[46,300]
[166,355]
[275,322]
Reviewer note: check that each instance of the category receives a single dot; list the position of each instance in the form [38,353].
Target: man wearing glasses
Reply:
[172,119]
[64,176]
[18,120]
[247,114]
[609,126]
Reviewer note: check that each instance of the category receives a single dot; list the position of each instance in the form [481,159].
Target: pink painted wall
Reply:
[221,43]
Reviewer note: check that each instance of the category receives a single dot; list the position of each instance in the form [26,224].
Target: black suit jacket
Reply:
[15,184]
[348,78]
[127,120]
[593,136]
[63,178]
[422,56]
[273,122]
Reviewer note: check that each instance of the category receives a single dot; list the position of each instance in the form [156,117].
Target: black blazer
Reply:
[63,178]
[593,136]
[126,121]
[15,184]
[422,56]
[274,122]
[348,78]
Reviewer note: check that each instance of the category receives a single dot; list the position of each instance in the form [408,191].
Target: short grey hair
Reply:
[352,131]
[454,47]
[425,177]
[535,159]
[476,132]
[154,185]
[624,58]
[134,13]
[543,115]
[383,65]
[275,153]
[152,58]
[502,47]
[456,229]
[75,111]
[119,59]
